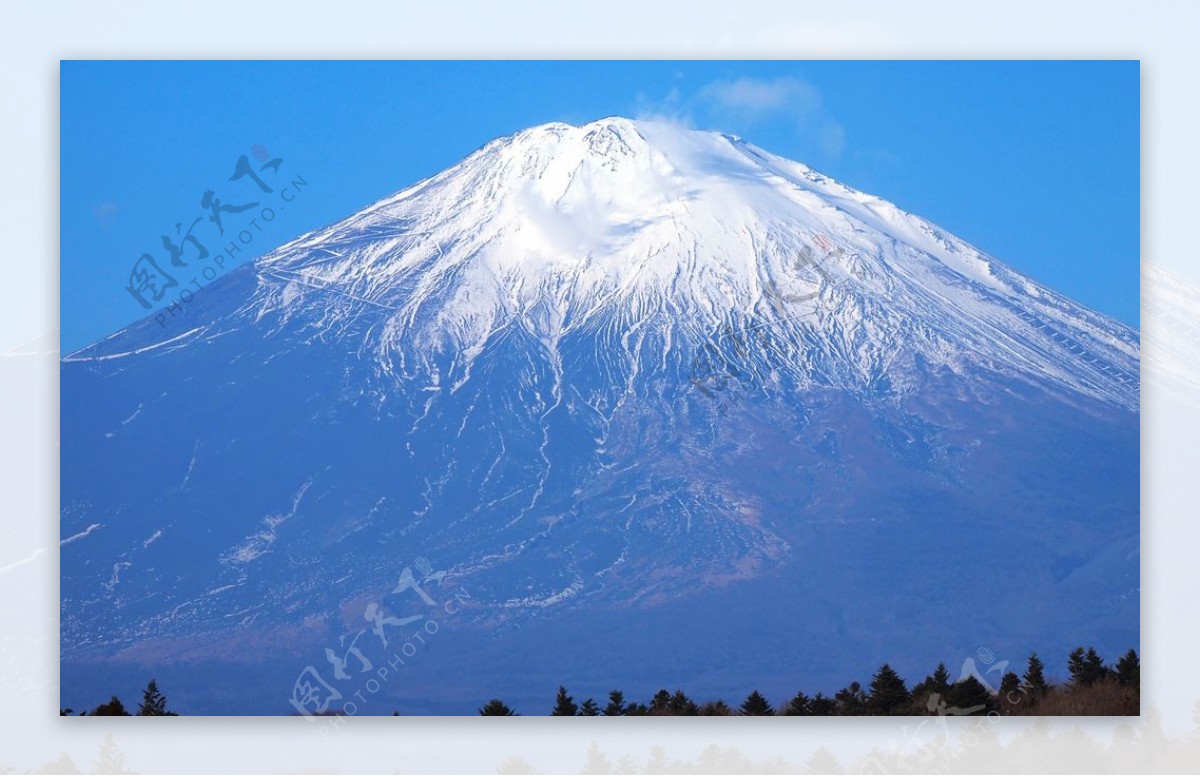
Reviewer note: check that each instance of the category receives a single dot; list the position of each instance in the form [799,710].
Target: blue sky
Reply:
[1036,163]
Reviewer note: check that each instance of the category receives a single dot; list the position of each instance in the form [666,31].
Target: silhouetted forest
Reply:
[1093,688]
[154,704]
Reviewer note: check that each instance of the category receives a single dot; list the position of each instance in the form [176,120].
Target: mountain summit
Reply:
[558,229]
[611,379]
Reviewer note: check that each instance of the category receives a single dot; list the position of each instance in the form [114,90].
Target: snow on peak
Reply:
[617,222]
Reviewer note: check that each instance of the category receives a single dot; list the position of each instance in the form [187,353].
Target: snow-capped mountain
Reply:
[612,379]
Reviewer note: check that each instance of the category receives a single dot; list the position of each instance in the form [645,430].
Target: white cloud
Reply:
[671,108]
[787,95]
[739,104]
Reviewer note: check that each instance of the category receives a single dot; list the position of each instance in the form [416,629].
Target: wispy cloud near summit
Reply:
[741,103]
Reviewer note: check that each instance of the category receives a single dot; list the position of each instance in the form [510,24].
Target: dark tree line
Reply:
[1093,688]
[154,704]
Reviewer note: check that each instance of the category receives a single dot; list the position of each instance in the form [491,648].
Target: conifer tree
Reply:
[822,705]
[1096,670]
[1035,677]
[657,762]
[589,708]
[851,700]
[823,761]
[154,703]
[940,679]
[1009,683]
[597,761]
[969,696]
[564,704]
[1010,688]
[1077,666]
[799,706]
[111,760]
[114,708]
[717,708]
[888,695]
[661,703]
[1129,670]
[496,708]
[756,705]
[683,706]
[1086,667]
[616,704]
